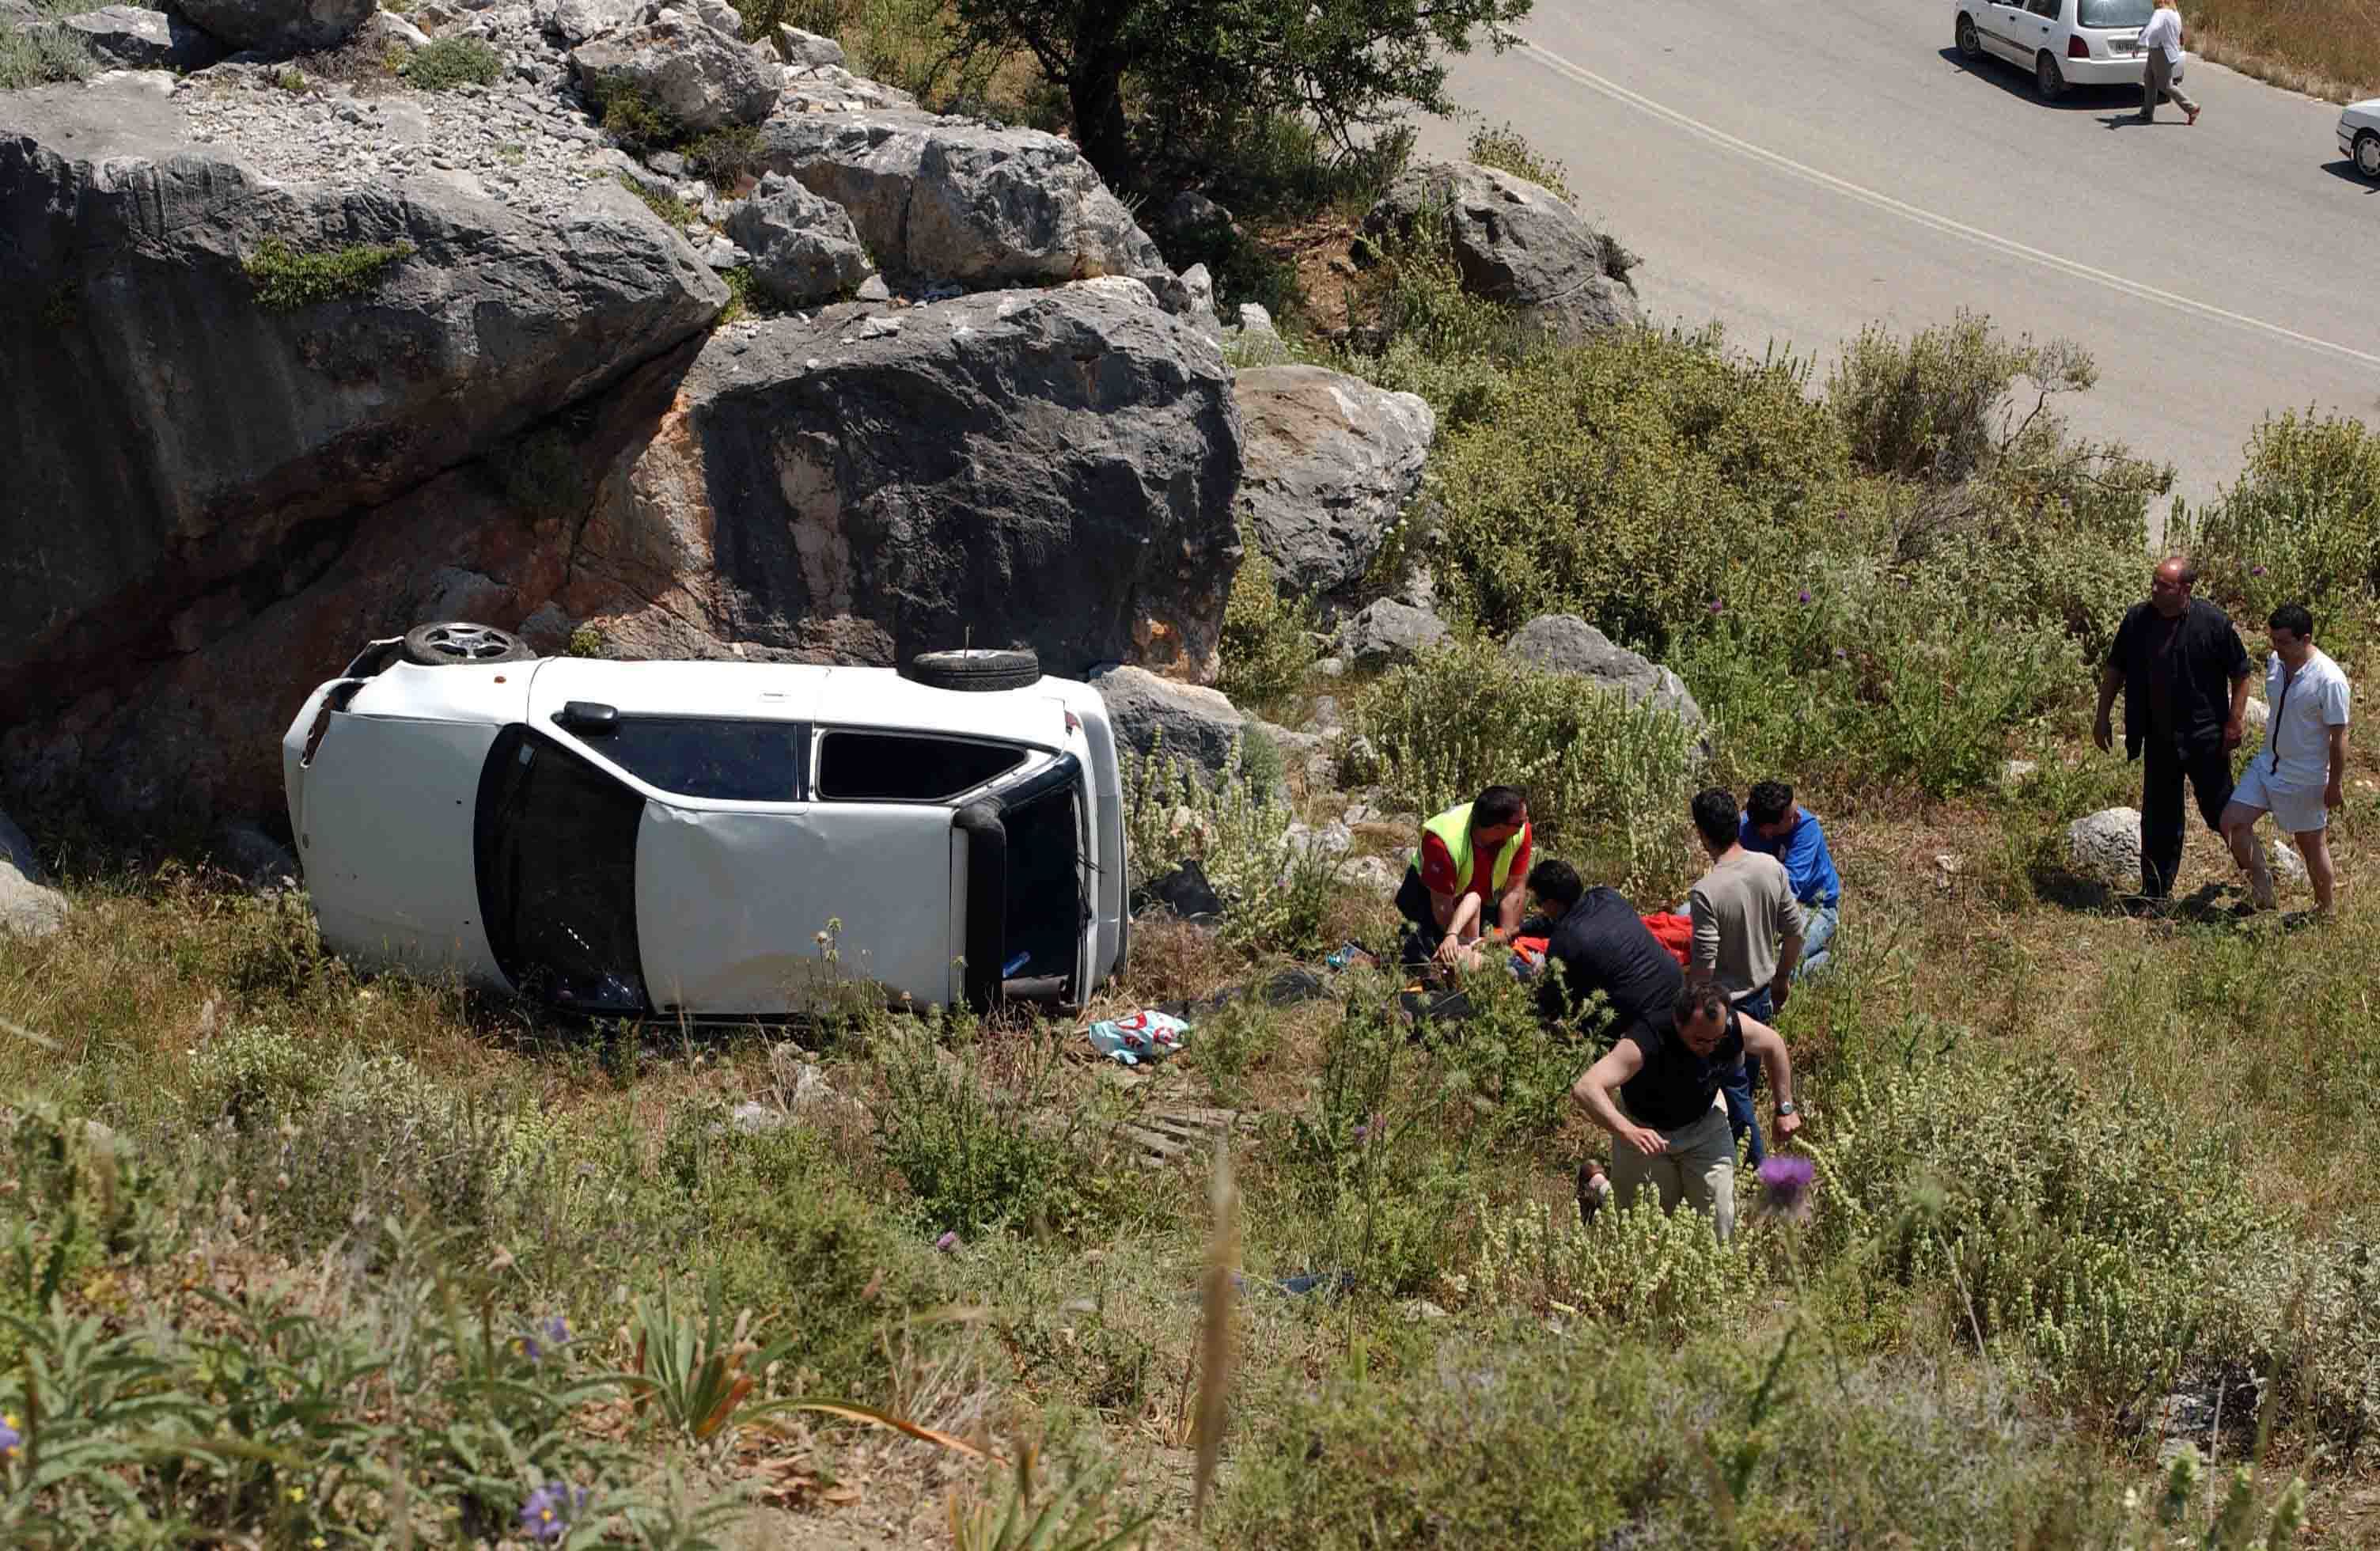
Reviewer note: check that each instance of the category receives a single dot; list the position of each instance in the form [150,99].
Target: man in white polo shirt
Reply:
[2296,775]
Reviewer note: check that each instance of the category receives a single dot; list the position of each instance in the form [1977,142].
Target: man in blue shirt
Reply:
[1773,825]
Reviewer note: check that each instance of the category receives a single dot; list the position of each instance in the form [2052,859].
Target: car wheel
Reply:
[1970,46]
[2367,153]
[2048,79]
[458,641]
[974,670]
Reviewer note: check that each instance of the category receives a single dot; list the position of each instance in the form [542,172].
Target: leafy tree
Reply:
[1194,67]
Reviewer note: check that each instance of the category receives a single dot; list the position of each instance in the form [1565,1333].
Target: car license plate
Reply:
[2123,46]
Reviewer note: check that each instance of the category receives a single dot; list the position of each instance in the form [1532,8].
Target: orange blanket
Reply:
[1675,933]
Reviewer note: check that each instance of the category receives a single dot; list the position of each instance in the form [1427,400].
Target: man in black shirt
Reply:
[2184,678]
[1656,1092]
[1601,944]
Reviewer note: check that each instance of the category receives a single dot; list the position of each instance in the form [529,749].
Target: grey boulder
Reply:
[1567,643]
[1254,341]
[1387,634]
[1187,723]
[807,50]
[28,906]
[1517,243]
[280,26]
[1045,468]
[575,21]
[255,858]
[2105,847]
[950,200]
[804,249]
[144,40]
[1332,460]
[689,71]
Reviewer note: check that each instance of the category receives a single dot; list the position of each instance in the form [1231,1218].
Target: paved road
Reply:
[1797,170]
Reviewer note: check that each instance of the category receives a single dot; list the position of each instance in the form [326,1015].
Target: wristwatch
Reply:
[1785,1106]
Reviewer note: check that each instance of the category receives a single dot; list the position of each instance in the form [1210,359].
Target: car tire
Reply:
[1970,46]
[457,643]
[976,670]
[2367,154]
[2048,79]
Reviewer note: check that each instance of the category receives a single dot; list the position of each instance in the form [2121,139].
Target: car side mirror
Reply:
[589,718]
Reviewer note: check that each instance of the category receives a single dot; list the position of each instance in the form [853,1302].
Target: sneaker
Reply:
[2191,117]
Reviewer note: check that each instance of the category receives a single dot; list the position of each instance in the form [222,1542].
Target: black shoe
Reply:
[1594,1188]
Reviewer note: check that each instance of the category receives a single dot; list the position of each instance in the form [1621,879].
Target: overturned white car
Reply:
[625,839]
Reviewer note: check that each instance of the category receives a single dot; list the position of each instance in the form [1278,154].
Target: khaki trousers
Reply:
[2157,85]
[1699,1168]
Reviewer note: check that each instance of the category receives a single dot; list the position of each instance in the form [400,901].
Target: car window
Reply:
[555,844]
[2049,8]
[2114,13]
[714,757]
[907,768]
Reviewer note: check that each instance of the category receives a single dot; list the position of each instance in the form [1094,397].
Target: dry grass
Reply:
[2324,48]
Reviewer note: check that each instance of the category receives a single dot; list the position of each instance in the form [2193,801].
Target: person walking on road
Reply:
[2161,66]
[2183,675]
[2299,775]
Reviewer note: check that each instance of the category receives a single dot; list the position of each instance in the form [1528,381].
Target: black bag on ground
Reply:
[1185,892]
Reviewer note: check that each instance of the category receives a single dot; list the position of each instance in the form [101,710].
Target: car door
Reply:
[2044,27]
[2003,26]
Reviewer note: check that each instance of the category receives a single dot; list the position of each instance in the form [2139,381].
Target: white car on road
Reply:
[669,839]
[2063,42]
[2359,135]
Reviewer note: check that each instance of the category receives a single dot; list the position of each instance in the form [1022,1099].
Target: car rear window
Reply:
[904,768]
[2114,13]
[721,760]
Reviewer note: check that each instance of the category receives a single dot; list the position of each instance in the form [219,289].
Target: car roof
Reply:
[802,692]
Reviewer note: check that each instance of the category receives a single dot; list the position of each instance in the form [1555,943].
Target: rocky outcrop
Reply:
[807,50]
[804,249]
[1567,643]
[280,26]
[1332,460]
[1517,243]
[2105,847]
[214,374]
[1387,634]
[1045,468]
[697,76]
[144,40]
[575,21]
[29,907]
[1196,726]
[951,201]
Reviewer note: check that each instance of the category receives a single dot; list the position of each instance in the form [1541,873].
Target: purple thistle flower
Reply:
[11,1440]
[948,1242]
[1717,607]
[548,1334]
[547,1514]
[1365,1127]
[1785,1182]
[1841,654]
[2255,570]
[1805,594]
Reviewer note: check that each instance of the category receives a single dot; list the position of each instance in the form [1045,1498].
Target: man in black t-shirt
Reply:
[1601,944]
[2184,678]
[1656,1092]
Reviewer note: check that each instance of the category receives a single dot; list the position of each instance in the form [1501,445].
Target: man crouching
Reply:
[1658,1093]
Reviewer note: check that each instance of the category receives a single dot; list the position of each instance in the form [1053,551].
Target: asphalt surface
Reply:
[1796,172]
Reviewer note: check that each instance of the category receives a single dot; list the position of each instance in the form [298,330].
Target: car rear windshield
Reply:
[2114,13]
[904,768]
[721,760]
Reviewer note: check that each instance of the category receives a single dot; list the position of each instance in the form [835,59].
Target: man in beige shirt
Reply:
[1747,937]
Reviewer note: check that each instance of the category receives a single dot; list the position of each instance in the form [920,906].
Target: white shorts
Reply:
[2297,809]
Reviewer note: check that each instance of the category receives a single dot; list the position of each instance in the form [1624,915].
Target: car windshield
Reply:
[2114,13]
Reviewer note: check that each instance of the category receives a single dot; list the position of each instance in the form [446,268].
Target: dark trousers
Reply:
[2163,769]
[1740,1085]
[1422,933]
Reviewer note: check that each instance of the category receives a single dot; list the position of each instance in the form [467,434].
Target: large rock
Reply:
[2105,847]
[280,26]
[1198,726]
[804,249]
[575,21]
[950,200]
[1332,460]
[144,40]
[28,906]
[1387,634]
[697,76]
[1518,243]
[183,457]
[808,51]
[1567,643]
[1051,468]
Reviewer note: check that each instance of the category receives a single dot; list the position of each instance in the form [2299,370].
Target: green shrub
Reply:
[1608,782]
[1507,149]
[2302,524]
[724,156]
[1642,1272]
[1267,645]
[1931,406]
[448,62]
[285,279]
[40,55]
[672,210]
[630,117]
[1237,827]
[544,477]
[250,1074]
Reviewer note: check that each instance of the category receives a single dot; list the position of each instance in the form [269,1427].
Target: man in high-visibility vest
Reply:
[1469,874]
